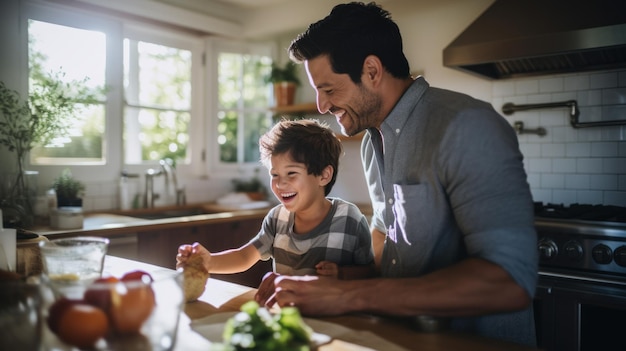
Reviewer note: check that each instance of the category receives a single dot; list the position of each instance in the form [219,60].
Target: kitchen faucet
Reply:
[170,176]
[168,171]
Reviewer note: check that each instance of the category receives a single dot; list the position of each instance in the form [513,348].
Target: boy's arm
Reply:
[234,260]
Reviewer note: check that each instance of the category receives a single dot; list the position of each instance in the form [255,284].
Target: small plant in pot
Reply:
[69,190]
[285,80]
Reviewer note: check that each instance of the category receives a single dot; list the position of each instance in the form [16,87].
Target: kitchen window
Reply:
[242,104]
[159,82]
[168,93]
[75,58]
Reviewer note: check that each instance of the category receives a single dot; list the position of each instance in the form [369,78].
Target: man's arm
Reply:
[471,287]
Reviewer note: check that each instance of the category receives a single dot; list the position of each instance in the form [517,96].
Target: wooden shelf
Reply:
[309,107]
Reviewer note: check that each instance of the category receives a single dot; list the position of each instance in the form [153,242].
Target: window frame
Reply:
[203,153]
[99,171]
[195,44]
[216,46]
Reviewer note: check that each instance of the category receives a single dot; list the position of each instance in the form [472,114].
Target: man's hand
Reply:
[313,295]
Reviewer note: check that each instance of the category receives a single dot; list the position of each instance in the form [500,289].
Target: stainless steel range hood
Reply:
[515,38]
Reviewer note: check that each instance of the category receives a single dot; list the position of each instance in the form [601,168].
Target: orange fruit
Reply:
[131,306]
[81,325]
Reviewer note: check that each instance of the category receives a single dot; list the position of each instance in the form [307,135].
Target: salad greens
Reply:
[255,328]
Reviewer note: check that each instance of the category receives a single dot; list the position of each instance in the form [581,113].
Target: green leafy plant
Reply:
[68,187]
[287,73]
[48,113]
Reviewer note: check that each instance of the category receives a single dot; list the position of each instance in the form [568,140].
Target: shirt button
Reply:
[390,201]
[398,131]
[393,261]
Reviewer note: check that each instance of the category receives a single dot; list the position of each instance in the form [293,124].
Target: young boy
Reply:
[307,233]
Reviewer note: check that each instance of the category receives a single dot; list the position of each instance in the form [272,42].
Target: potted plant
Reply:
[252,187]
[285,80]
[69,190]
[24,124]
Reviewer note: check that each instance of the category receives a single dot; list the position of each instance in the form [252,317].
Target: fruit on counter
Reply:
[195,277]
[99,293]
[255,328]
[77,323]
[130,307]
[120,305]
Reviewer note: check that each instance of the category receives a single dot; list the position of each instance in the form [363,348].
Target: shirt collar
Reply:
[402,111]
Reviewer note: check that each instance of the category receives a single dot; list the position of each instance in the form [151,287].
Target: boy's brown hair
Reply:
[307,141]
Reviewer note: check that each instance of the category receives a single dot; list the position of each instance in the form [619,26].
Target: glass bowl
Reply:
[140,312]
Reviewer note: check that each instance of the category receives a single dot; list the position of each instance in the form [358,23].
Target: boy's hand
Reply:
[327,269]
[185,251]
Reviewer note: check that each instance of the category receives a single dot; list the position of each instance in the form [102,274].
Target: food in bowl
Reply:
[109,306]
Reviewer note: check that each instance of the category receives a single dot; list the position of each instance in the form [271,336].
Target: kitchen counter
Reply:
[113,223]
[221,296]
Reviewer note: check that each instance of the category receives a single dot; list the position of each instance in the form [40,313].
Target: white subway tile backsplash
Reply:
[589,165]
[615,165]
[576,83]
[551,85]
[604,149]
[603,80]
[525,87]
[553,150]
[603,182]
[621,182]
[578,150]
[540,165]
[564,165]
[577,181]
[553,180]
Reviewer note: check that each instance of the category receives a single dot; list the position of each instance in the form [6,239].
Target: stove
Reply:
[580,299]
[580,239]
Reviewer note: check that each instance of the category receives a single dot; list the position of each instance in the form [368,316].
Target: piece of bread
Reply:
[195,277]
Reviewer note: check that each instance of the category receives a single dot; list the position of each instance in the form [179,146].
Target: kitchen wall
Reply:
[572,165]
[566,166]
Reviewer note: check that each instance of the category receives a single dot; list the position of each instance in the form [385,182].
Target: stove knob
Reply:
[602,254]
[620,256]
[573,250]
[547,249]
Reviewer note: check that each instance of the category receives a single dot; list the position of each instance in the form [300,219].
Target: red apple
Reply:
[99,293]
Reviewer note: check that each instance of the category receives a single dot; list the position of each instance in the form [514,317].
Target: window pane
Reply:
[227,136]
[243,102]
[229,80]
[158,95]
[256,125]
[72,61]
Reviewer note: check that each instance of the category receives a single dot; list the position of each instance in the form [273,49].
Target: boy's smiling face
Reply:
[293,186]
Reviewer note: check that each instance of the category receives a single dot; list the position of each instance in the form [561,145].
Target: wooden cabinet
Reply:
[159,247]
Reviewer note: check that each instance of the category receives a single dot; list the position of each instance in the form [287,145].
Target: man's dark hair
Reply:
[348,35]
[307,141]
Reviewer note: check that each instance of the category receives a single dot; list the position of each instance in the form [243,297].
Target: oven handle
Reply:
[579,278]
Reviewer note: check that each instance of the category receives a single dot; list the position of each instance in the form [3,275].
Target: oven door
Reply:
[580,313]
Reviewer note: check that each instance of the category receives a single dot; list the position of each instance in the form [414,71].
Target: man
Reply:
[452,230]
